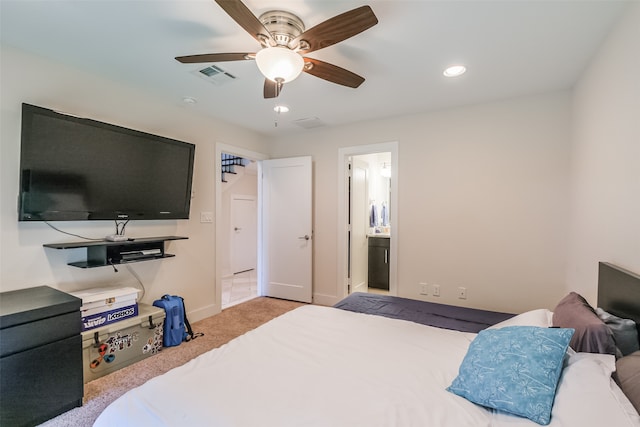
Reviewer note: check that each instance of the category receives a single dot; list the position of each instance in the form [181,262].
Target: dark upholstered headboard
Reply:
[619,292]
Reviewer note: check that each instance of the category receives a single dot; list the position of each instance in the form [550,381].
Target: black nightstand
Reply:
[40,355]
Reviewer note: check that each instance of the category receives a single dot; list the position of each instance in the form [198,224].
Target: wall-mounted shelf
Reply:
[103,253]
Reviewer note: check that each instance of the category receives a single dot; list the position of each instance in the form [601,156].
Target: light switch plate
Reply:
[206,217]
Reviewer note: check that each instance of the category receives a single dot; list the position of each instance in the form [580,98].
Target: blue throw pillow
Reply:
[514,369]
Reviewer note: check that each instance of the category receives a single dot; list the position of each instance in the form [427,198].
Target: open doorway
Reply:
[237,213]
[368,219]
[239,194]
[281,184]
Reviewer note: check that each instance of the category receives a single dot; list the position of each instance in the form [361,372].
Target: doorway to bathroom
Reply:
[368,219]
[370,222]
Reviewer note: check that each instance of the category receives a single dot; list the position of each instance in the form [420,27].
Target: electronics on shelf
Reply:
[116,238]
[140,254]
[105,253]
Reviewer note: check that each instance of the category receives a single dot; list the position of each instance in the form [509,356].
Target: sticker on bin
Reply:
[114,306]
[108,317]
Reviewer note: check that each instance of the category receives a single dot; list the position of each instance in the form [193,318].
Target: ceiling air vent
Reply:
[215,75]
[309,123]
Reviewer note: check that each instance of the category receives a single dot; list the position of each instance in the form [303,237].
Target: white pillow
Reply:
[586,396]
[540,317]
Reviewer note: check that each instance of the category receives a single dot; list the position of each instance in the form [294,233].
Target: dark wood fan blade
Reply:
[215,57]
[332,73]
[246,19]
[337,29]
[272,89]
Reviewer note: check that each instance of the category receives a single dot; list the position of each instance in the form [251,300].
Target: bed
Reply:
[337,366]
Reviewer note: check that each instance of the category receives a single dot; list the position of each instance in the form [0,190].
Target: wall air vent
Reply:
[309,123]
[215,75]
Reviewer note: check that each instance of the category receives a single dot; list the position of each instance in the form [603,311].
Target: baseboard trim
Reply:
[202,313]
[326,300]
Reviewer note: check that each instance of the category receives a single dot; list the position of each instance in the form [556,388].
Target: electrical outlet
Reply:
[462,293]
[435,290]
[424,288]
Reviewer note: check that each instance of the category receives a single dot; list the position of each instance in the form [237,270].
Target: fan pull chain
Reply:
[275,107]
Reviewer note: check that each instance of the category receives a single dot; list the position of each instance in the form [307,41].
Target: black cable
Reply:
[70,234]
[112,265]
[120,227]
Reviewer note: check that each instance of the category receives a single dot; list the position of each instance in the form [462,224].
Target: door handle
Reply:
[305,237]
[237,228]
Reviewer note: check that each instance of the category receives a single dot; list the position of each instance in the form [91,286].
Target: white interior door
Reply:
[358,243]
[287,228]
[244,229]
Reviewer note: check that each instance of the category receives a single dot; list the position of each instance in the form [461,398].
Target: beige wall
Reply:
[606,160]
[515,200]
[25,263]
[483,200]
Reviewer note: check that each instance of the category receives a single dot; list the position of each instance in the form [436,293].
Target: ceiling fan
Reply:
[285,41]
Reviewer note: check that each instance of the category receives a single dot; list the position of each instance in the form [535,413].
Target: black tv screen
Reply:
[76,169]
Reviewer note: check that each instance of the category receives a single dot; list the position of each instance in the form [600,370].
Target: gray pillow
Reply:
[628,377]
[592,335]
[624,332]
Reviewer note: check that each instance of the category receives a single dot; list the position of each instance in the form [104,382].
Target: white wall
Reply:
[483,200]
[605,219]
[25,263]
[515,200]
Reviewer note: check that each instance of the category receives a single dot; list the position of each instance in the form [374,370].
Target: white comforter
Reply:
[320,366]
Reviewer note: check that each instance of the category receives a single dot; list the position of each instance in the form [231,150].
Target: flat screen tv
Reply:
[77,169]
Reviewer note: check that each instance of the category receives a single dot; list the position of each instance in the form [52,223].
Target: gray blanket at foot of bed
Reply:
[427,313]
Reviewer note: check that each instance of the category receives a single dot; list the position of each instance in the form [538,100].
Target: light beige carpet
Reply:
[218,330]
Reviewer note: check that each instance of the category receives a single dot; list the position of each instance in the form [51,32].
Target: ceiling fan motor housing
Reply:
[283,26]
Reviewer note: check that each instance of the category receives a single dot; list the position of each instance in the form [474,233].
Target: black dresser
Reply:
[40,355]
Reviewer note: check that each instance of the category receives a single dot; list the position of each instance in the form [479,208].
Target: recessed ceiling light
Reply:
[281,109]
[189,100]
[455,70]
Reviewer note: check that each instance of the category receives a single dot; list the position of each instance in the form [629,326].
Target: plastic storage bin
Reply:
[111,347]
[104,306]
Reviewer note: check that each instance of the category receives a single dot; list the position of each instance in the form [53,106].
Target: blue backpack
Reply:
[175,321]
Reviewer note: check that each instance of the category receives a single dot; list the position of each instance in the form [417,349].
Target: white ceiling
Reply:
[510,47]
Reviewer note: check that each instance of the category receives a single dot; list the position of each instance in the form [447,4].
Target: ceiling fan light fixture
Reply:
[281,109]
[279,64]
